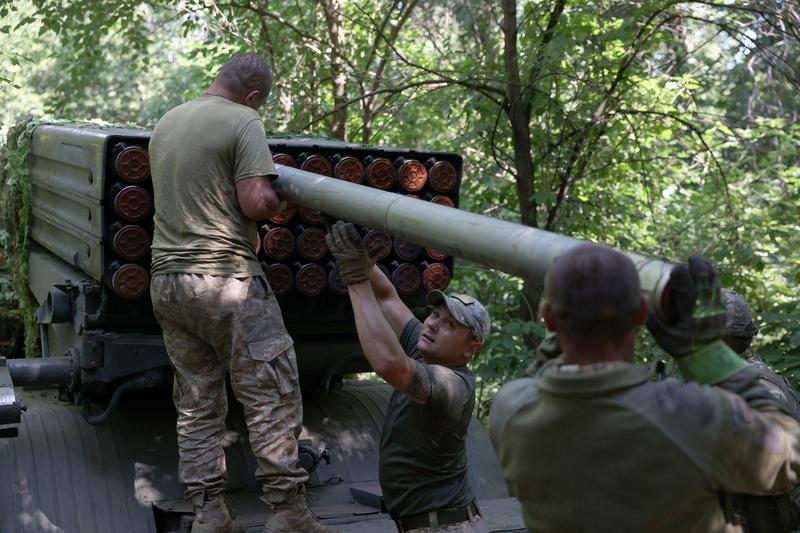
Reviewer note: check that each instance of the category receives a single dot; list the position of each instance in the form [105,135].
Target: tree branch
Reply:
[699,134]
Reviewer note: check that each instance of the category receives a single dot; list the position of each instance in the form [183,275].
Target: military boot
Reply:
[294,516]
[212,516]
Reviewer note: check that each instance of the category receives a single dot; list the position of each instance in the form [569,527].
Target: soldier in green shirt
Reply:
[593,443]
[423,462]
[760,513]
[211,169]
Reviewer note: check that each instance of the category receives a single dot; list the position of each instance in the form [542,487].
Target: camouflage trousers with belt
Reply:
[213,325]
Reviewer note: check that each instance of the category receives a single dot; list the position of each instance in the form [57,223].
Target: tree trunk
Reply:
[366,129]
[333,16]
[519,117]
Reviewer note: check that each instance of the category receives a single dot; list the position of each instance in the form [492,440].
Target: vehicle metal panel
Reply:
[62,472]
[77,247]
[67,170]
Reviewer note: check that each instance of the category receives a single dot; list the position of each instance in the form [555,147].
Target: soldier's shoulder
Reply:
[512,397]
[516,391]
[667,398]
[169,120]
[777,384]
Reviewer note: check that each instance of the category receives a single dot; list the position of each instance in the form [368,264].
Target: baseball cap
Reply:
[738,317]
[466,310]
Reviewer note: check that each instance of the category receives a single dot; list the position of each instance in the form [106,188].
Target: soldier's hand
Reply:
[354,260]
[698,311]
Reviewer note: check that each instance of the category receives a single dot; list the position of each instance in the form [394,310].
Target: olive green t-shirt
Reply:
[423,457]
[198,151]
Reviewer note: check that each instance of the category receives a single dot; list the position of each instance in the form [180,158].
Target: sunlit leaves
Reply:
[652,127]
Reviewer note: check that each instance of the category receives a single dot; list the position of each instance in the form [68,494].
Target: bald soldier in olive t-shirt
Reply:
[200,226]
[211,170]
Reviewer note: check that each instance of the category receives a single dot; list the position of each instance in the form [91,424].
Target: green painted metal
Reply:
[64,473]
[512,248]
[67,167]
[114,345]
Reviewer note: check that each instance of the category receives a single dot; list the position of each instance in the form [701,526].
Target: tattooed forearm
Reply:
[419,388]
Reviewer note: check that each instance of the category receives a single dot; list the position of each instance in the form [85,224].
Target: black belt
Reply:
[441,517]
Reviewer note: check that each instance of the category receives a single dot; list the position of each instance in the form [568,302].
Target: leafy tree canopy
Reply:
[664,128]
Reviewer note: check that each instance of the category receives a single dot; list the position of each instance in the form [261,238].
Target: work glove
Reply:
[355,262]
[698,313]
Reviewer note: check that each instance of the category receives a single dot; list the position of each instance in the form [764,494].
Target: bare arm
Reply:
[391,306]
[380,341]
[257,199]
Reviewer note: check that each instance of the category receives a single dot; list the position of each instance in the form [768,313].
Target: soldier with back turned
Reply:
[211,170]
[593,443]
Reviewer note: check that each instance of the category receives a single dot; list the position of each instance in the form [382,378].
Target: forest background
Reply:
[660,127]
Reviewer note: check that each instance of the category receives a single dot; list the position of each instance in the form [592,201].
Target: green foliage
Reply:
[505,355]
[15,214]
[660,128]
[781,325]
[85,30]
[11,324]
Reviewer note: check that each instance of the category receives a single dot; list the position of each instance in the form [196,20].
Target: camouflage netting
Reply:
[15,213]
[11,327]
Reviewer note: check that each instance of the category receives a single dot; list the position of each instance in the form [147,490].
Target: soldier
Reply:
[776,513]
[738,335]
[592,443]
[423,463]
[211,171]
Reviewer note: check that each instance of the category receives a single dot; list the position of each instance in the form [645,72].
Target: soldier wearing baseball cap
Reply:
[423,461]
[466,310]
[760,513]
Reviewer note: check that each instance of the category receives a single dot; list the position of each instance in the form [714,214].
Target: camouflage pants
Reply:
[213,325]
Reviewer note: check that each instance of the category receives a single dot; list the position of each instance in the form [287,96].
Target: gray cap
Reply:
[467,310]
[739,318]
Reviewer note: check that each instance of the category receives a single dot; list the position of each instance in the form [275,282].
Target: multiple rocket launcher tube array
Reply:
[509,247]
[131,200]
[409,266]
[291,245]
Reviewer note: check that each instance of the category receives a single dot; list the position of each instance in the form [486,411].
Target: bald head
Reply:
[244,73]
[594,292]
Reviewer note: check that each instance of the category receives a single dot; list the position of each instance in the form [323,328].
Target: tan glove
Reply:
[354,260]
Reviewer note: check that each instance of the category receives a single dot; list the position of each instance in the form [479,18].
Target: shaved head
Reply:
[594,292]
[244,73]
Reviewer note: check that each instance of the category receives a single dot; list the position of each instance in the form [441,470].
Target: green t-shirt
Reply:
[198,151]
[423,459]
